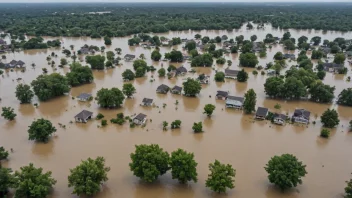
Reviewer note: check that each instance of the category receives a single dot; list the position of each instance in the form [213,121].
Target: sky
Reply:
[163,1]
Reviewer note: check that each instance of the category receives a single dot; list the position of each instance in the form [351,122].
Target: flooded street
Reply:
[229,135]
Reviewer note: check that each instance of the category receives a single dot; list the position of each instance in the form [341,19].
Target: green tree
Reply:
[161,72]
[289,45]
[197,127]
[32,182]
[87,177]
[49,86]
[156,56]
[302,39]
[316,40]
[254,38]
[221,61]
[286,36]
[110,98]
[285,171]
[339,58]
[96,62]
[242,76]
[345,97]
[174,56]
[321,75]
[324,133]
[274,86]
[139,63]
[278,56]
[3,155]
[110,55]
[107,40]
[183,166]
[7,181]
[204,60]
[24,93]
[149,161]
[165,124]
[79,75]
[239,39]
[209,109]
[248,60]
[176,124]
[191,87]
[140,72]
[221,177]
[234,49]
[128,89]
[320,92]
[348,189]
[317,54]
[190,45]
[40,130]
[229,62]
[8,113]
[330,118]
[63,61]
[128,75]
[219,77]
[197,36]
[250,100]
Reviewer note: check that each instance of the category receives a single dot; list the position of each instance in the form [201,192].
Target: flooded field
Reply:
[229,135]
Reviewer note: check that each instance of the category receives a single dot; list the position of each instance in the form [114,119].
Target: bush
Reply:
[100,116]
[254,72]
[104,122]
[219,77]
[197,127]
[324,133]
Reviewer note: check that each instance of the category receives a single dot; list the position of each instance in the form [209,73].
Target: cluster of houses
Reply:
[14,64]
[4,47]
[299,116]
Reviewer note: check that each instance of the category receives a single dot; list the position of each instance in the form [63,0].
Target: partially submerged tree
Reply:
[79,75]
[110,98]
[40,130]
[32,182]
[176,124]
[7,180]
[330,118]
[209,109]
[285,171]
[183,166]
[219,77]
[221,177]
[24,93]
[250,100]
[3,154]
[242,76]
[8,113]
[50,86]
[149,162]
[128,89]
[197,127]
[128,75]
[191,87]
[87,178]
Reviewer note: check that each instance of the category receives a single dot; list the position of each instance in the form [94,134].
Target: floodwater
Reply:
[229,135]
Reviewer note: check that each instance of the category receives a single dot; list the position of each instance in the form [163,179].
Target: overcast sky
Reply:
[163,1]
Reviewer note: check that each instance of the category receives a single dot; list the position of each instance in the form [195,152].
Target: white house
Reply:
[234,102]
[140,119]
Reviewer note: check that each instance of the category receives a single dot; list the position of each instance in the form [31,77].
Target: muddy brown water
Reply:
[229,135]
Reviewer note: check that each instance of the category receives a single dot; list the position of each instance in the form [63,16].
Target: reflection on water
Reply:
[229,135]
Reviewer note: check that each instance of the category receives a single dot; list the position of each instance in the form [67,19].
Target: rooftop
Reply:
[140,117]
[262,111]
[84,114]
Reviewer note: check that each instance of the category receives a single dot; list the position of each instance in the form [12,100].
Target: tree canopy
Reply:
[40,130]
[50,86]
[24,93]
[221,177]
[110,98]
[79,75]
[183,166]
[191,87]
[330,118]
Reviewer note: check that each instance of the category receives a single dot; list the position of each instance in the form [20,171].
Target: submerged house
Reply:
[257,47]
[301,116]
[181,71]
[326,50]
[234,102]
[280,119]
[221,95]
[147,102]
[140,119]
[84,50]
[229,73]
[129,57]
[84,97]
[84,116]
[289,56]
[333,67]
[14,63]
[176,90]
[203,79]
[162,89]
[261,113]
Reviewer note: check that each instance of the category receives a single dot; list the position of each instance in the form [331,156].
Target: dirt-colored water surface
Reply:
[229,135]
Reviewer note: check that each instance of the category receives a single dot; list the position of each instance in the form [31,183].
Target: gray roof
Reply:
[302,113]
[291,56]
[140,117]
[13,62]
[147,100]
[84,50]
[281,116]
[181,69]
[84,95]
[130,56]
[230,72]
[83,115]
[222,93]
[241,99]
[177,88]
[20,63]
[332,65]
[262,111]
[163,88]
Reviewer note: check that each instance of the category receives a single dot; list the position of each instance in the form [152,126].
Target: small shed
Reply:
[261,113]
[84,116]
[222,95]
[140,119]
[230,73]
[176,90]
[129,57]
[147,102]
[84,97]
[280,119]
[181,71]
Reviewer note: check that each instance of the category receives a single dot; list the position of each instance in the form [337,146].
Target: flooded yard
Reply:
[229,135]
